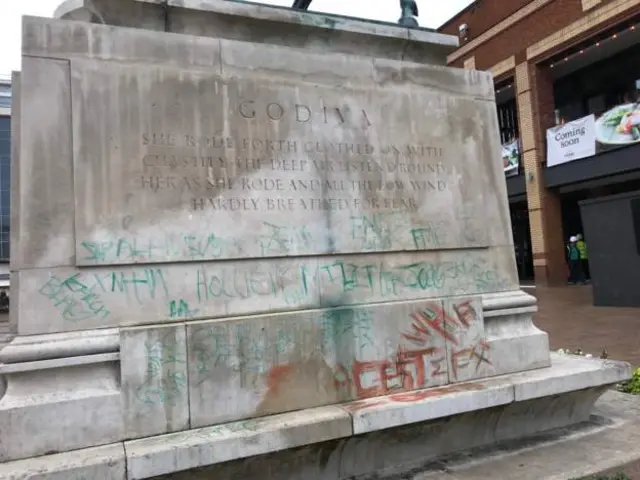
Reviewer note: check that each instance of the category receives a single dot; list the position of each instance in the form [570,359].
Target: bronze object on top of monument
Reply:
[409,12]
[407,19]
[301,4]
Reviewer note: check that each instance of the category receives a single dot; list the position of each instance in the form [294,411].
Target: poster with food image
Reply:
[571,141]
[618,126]
[511,158]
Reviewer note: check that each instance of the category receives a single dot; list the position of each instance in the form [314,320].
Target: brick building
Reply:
[555,61]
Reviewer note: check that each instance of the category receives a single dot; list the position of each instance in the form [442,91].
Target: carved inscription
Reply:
[232,175]
[281,175]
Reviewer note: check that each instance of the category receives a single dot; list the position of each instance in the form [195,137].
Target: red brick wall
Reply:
[482,15]
[543,103]
[515,39]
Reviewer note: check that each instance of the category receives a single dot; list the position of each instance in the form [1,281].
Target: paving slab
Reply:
[568,315]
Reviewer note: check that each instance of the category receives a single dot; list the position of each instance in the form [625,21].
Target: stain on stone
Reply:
[330,22]
[298,385]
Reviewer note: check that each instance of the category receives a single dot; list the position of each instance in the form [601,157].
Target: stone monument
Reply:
[242,230]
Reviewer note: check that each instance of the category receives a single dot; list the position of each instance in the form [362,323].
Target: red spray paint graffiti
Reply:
[413,369]
[434,320]
[394,374]
[410,397]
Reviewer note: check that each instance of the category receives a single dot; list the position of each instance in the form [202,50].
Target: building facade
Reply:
[5,176]
[561,68]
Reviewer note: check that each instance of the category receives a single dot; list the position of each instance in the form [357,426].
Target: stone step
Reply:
[609,442]
[5,339]
[568,374]
[394,433]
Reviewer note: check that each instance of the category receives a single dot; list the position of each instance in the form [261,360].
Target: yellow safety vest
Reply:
[582,248]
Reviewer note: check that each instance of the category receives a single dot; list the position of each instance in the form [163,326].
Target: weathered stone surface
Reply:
[273,169]
[63,393]
[255,23]
[609,442]
[65,299]
[280,210]
[393,435]
[98,463]
[45,180]
[154,380]
[206,446]
[14,238]
[570,373]
[413,407]
[59,405]
[53,38]
[68,345]
[275,363]
[558,454]
[119,223]
[147,14]
[468,352]
[516,343]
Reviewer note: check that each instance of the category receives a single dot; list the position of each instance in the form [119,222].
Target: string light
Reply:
[506,87]
[595,45]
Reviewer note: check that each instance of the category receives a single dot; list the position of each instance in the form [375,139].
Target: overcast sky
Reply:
[432,14]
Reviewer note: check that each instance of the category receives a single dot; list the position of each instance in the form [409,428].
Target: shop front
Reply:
[593,151]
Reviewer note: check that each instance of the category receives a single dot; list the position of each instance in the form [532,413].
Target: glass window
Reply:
[508,121]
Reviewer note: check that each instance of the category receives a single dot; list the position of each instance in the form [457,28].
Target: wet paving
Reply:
[567,314]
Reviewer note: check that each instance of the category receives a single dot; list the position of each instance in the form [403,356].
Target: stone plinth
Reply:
[383,437]
[241,215]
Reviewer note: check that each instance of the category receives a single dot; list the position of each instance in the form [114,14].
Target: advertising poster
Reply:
[511,158]
[571,141]
[617,127]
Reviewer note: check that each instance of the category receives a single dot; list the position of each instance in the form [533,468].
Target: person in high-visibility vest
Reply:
[584,257]
[575,265]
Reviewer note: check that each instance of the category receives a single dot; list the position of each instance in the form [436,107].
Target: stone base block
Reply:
[608,441]
[388,434]
[516,344]
[247,438]
[102,386]
[382,435]
[5,339]
[99,463]
[6,334]
[50,405]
